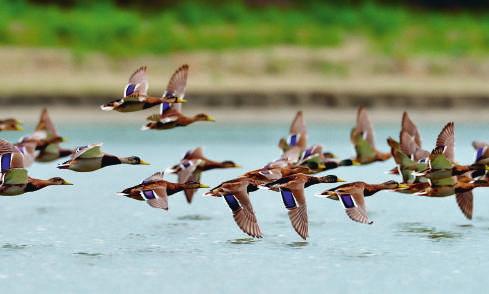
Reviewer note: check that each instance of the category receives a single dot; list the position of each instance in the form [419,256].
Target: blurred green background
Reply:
[125,28]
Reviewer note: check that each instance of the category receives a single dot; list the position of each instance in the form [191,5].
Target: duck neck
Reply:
[37,184]
[371,189]
[113,160]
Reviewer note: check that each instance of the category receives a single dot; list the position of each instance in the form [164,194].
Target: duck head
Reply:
[203,117]
[134,160]
[58,181]
[229,164]
[11,125]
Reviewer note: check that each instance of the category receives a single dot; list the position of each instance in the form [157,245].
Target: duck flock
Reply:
[422,173]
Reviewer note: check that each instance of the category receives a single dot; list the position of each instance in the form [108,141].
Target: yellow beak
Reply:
[355,162]
[67,183]
[340,180]
[144,162]
[203,186]
[181,100]
[18,127]
[237,165]
[403,186]
[210,118]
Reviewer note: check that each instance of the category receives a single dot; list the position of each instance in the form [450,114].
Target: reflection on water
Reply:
[298,244]
[94,254]
[14,246]
[194,217]
[430,232]
[360,254]
[243,241]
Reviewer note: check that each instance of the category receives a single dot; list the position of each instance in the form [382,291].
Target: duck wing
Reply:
[189,193]
[295,201]
[354,203]
[243,213]
[138,84]
[465,202]
[156,177]
[10,156]
[364,126]
[156,198]
[89,151]
[178,82]
[446,138]
[410,128]
[14,176]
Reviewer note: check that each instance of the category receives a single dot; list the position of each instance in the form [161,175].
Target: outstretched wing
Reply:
[295,201]
[243,213]
[409,126]
[178,82]
[354,204]
[364,126]
[138,83]
[158,176]
[465,202]
[446,138]
[46,125]
[10,156]
[89,151]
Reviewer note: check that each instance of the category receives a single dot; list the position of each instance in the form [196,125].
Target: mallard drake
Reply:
[352,197]
[292,190]
[296,143]
[14,177]
[317,160]
[193,164]
[362,137]
[90,158]
[235,193]
[155,190]
[10,124]
[136,92]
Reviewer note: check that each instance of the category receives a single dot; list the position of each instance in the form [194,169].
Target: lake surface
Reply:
[86,239]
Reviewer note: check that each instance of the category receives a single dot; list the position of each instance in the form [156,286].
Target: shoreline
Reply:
[64,114]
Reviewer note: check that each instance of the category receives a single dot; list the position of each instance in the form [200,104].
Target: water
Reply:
[84,238]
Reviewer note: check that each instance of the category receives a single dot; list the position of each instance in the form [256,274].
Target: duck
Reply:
[362,138]
[292,190]
[236,194]
[192,165]
[90,158]
[318,161]
[135,94]
[10,124]
[410,139]
[296,143]
[352,197]
[155,190]
[406,165]
[171,116]
[14,176]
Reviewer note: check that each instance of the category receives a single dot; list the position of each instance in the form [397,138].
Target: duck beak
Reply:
[18,127]
[402,186]
[203,186]
[210,118]
[237,165]
[340,180]
[144,162]
[355,162]
[181,100]
[63,166]
[65,182]
[486,167]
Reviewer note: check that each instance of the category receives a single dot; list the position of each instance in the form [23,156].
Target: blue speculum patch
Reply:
[232,202]
[5,162]
[288,199]
[149,194]
[130,89]
[164,107]
[479,153]
[293,139]
[308,152]
[347,200]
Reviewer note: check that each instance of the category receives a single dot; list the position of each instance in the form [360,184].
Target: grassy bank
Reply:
[393,31]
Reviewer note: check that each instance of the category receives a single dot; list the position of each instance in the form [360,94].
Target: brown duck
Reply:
[193,164]
[235,193]
[155,190]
